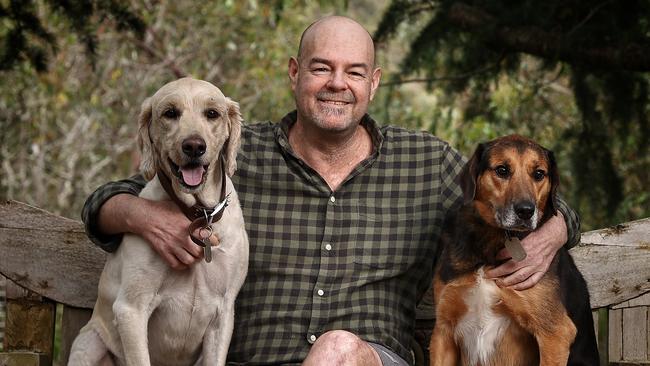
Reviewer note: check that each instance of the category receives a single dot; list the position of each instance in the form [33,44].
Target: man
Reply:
[343,218]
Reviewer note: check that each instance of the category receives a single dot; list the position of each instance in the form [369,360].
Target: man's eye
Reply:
[539,175]
[212,114]
[502,171]
[320,69]
[171,113]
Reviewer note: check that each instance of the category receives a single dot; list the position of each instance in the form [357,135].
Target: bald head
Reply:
[337,27]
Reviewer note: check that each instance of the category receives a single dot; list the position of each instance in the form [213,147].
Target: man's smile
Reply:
[334,102]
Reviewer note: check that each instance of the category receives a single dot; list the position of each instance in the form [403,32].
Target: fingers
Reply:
[519,275]
[503,254]
[192,248]
[502,270]
[186,258]
[173,262]
[178,254]
[529,282]
[517,278]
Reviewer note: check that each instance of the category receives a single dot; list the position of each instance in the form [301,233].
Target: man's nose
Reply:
[337,81]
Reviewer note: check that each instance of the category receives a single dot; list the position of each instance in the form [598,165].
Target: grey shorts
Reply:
[388,357]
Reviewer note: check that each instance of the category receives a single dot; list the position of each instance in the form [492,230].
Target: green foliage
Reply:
[69,120]
[571,74]
[26,36]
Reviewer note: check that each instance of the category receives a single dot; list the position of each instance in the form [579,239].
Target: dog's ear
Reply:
[232,144]
[554,176]
[469,174]
[147,159]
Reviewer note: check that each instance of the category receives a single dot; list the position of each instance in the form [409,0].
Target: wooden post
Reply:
[73,319]
[3,312]
[29,327]
[603,336]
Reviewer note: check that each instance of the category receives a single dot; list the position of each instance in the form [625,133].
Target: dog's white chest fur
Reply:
[481,329]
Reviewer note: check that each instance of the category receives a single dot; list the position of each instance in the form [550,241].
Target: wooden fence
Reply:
[48,261]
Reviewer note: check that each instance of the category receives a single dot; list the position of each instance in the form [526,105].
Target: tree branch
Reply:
[550,45]
[442,78]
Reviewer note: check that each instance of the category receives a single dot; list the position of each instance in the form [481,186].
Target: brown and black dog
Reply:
[509,188]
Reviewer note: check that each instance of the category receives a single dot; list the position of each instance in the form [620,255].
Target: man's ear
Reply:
[375,79]
[232,144]
[551,201]
[293,69]
[147,159]
[469,174]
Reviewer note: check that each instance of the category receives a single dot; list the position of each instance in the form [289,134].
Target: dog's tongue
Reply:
[192,176]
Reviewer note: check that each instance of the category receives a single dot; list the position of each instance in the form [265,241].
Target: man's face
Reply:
[334,80]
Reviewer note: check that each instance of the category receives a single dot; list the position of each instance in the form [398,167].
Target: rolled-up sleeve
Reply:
[90,211]
[572,220]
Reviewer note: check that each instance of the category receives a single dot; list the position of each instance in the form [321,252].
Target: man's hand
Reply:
[540,246]
[160,223]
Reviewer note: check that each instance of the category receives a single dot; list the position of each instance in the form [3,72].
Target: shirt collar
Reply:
[282,131]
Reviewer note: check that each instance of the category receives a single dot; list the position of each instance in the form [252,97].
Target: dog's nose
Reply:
[193,146]
[525,209]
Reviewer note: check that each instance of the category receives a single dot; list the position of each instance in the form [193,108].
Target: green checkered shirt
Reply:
[356,259]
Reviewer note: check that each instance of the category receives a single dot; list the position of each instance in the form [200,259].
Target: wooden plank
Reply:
[635,334]
[614,261]
[73,320]
[615,335]
[602,335]
[594,319]
[17,292]
[3,297]
[23,359]
[643,300]
[50,255]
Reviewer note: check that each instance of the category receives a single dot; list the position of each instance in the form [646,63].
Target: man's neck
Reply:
[333,155]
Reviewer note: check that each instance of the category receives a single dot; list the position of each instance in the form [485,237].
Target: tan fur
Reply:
[493,192]
[147,313]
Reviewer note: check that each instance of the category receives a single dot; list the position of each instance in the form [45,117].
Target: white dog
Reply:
[147,313]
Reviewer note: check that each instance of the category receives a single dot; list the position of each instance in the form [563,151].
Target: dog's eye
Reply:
[502,171]
[171,113]
[212,113]
[539,175]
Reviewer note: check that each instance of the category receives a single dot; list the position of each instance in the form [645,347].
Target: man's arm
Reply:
[540,246]
[114,209]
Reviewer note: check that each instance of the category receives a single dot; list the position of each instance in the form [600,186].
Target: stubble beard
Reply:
[325,113]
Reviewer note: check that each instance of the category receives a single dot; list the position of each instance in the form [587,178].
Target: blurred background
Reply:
[571,74]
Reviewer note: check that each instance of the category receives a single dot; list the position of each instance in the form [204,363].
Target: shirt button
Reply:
[311,338]
[321,292]
[332,199]
[328,247]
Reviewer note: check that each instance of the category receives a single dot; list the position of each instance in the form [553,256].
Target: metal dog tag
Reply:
[205,234]
[515,249]
[207,250]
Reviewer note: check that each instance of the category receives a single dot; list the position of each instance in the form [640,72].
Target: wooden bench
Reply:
[50,264]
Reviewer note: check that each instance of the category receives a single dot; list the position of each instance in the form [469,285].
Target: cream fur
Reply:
[146,313]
